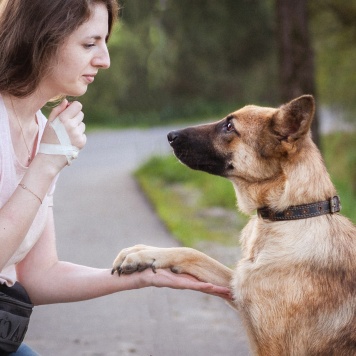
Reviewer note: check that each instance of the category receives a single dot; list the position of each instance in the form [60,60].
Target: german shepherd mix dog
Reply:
[295,285]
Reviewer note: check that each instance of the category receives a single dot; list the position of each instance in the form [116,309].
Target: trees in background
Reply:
[334,37]
[174,59]
[296,54]
[177,58]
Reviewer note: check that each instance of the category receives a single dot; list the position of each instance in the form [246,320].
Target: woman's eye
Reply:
[89,45]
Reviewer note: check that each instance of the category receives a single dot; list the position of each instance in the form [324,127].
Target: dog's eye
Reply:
[230,127]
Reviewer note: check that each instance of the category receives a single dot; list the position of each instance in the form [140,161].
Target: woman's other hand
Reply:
[166,278]
[71,116]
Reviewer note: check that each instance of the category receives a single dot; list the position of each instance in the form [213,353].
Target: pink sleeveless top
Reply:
[11,173]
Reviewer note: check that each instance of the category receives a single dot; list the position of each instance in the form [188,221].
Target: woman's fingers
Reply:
[57,110]
[71,116]
[165,278]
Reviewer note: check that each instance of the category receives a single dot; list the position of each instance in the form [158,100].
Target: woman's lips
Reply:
[89,77]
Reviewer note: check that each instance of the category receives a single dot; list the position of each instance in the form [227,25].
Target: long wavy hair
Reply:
[31,33]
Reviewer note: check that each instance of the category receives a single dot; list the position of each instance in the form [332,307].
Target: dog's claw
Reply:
[131,268]
[153,267]
[118,270]
[174,270]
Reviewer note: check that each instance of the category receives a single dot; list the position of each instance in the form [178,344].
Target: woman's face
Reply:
[80,57]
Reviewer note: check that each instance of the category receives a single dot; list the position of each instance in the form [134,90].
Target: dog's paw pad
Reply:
[176,270]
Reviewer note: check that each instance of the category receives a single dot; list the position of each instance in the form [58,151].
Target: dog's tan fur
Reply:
[295,286]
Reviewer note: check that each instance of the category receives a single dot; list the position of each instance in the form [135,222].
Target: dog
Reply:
[295,286]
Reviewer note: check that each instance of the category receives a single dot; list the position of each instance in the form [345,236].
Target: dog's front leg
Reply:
[178,259]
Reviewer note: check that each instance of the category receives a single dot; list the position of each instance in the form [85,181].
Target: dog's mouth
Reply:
[197,152]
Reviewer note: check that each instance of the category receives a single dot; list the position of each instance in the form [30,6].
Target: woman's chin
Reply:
[76,93]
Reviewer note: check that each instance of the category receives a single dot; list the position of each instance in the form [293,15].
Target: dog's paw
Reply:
[133,259]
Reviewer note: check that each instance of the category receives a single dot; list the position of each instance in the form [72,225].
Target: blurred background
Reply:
[181,60]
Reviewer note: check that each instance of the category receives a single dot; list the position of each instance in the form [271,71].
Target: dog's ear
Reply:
[293,120]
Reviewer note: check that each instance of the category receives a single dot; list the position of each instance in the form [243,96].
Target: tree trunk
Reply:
[296,56]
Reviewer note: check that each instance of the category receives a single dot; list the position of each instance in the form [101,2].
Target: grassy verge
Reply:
[193,205]
[197,206]
[340,157]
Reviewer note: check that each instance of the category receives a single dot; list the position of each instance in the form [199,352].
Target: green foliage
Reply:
[181,60]
[334,34]
[184,59]
[340,157]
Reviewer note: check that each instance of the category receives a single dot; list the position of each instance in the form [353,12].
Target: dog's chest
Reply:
[265,252]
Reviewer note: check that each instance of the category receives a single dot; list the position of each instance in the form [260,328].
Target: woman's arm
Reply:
[17,215]
[48,280]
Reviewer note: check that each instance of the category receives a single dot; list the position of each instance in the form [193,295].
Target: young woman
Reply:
[52,49]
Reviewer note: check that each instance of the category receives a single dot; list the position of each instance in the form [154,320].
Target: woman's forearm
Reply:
[17,215]
[67,282]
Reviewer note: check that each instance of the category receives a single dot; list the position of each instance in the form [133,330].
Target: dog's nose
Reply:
[172,136]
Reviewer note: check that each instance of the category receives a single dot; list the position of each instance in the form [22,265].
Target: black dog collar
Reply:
[304,211]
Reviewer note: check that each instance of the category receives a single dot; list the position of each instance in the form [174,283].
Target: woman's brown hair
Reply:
[31,33]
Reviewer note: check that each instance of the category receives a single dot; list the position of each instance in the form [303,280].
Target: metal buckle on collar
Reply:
[335,205]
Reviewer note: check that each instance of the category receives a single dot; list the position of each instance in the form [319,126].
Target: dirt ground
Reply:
[99,210]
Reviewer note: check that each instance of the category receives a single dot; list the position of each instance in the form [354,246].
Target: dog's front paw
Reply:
[133,259]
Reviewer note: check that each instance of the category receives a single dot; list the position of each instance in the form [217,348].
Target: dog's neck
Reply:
[302,180]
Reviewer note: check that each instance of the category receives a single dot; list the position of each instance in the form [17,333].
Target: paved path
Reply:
[99,210]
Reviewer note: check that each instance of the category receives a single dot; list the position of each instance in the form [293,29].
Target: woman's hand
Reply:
[71,116]
[166,278]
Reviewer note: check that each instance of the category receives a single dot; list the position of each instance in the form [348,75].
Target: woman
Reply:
[51,49]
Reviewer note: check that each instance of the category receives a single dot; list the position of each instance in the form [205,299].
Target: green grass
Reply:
[340,157]
[197,206]
[193,205]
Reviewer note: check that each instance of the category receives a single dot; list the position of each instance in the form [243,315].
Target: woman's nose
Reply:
[102,59]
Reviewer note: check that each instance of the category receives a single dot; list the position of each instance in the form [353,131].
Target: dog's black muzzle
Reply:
[194,147]
[172,136]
